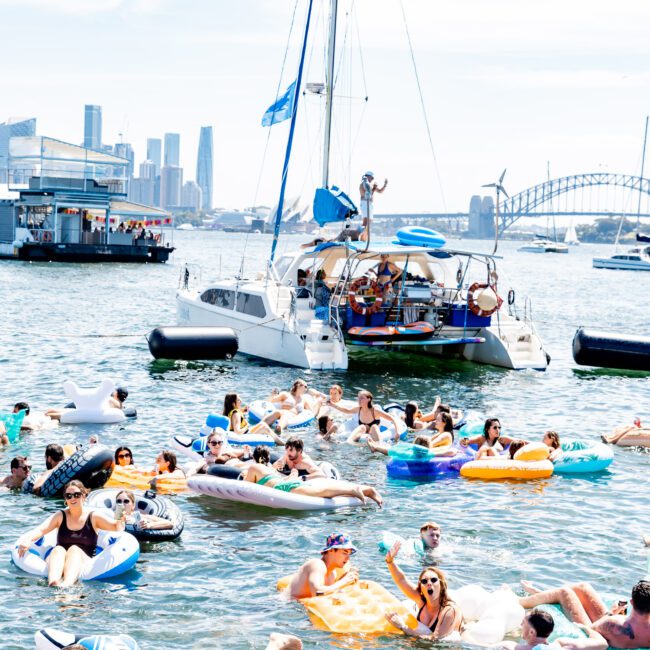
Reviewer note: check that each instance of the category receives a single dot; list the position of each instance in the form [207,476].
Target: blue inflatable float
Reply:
[417,463]
[418,236]
[582,457]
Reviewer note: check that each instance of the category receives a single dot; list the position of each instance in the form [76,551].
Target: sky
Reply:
[509,84]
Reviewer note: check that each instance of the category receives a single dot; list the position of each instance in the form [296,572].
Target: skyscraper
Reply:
[171,181]
[172,150]
[154,152]
[125,150]
[204,167]
[14,127]
[93,127]
[191,196]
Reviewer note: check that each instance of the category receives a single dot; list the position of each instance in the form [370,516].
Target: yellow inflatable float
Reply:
[131,477]
[359,608]
[529,462]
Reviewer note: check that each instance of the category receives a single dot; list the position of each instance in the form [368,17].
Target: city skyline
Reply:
[572,91]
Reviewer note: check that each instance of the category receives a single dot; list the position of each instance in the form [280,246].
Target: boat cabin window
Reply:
[224,298]
[251,304]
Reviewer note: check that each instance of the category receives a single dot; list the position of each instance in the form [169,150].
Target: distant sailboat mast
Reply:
[645,140]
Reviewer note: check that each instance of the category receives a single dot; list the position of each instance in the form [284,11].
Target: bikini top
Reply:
[433,625]
[369,424]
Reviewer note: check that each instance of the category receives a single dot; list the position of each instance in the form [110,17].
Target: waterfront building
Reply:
[13,127]
[204,164]
[154,152]
[192,196]
[172,150]
[72,207]
[171,182]
[93,127]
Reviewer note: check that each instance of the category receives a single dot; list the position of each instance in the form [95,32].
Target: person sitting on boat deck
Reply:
[294,460]
[382,447]
[322,295]
[20,469]
[633,435]
[77,529]
[234,411]
[123,457]
[552,440]
[367,190]
[294,401]
[316,487]
[491,441]
[327,428]
[438,616]
[318,577]
[220,453]
[368,417]
[121,228]
[53,457]
[536,627]
[582,604]
[141,520]
[387,273]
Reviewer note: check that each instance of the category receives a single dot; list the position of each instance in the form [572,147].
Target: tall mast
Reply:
[329,91]
[645,140]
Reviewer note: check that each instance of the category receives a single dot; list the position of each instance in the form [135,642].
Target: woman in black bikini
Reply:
[438,616]
[368,417]
[76,538]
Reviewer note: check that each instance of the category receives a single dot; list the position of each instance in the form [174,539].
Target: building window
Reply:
[223,298]
[250,304]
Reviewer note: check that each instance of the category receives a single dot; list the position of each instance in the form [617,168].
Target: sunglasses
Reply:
[26,468]
[123,501]
[496,426]
[72,495]
[426,581]
[124,455]
[215,443]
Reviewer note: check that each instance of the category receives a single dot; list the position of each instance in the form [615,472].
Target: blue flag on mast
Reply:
[282,109]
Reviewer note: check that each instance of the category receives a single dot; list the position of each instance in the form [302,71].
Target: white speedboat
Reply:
[636,259]
[541,245]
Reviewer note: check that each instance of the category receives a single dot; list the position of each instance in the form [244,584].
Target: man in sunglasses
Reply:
[319,577]
[53,457]
[19,472]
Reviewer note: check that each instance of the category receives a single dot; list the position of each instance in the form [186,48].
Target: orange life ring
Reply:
[473,305]
[362,308]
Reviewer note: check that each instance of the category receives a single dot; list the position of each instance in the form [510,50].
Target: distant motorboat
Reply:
[571,236]
[542,245]
[185,226]
[635,259]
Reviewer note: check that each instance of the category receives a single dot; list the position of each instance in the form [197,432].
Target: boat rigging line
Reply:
[424,110]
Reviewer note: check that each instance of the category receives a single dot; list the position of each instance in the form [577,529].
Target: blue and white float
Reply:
[582,457]
[50,639]
[259,409]
[387,432]
[116,553]
[417,463]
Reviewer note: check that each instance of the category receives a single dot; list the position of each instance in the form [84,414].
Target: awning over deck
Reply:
[130,210]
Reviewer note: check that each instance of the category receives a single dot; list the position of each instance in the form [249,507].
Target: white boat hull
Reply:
[620,265]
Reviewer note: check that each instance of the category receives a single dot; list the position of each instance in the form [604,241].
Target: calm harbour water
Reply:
[216,586]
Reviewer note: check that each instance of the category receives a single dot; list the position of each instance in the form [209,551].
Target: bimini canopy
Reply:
[392,248]
[129,210]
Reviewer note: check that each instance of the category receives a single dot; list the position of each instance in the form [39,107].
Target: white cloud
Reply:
[594,78]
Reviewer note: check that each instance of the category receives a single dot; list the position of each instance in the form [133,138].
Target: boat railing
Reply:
[190,276]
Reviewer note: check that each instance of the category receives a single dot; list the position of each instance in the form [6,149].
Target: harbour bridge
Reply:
[596,194]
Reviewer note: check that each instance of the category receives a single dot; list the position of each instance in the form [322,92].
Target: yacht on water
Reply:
[635,259]
[543,245]
[571,236]
[310,306]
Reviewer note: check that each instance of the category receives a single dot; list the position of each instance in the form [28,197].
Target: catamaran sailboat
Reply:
[311,305]
[542,245]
